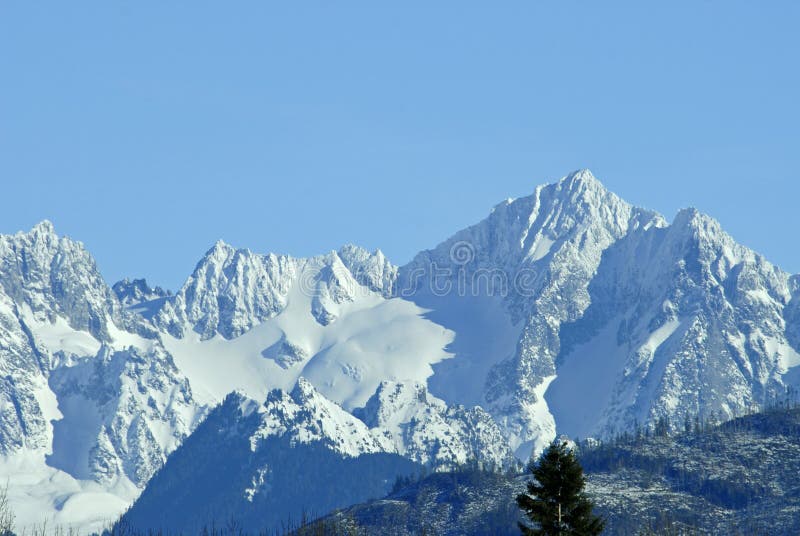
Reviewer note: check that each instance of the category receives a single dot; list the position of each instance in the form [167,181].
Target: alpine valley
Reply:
[567,312]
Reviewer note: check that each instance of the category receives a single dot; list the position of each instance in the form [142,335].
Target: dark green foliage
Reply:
[555,501]
[738,477]
[467,501]
[678,458]
[304,527]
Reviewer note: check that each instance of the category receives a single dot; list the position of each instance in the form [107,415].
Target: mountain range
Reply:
[568,311]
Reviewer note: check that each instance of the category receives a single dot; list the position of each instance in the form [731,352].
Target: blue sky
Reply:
[148,130]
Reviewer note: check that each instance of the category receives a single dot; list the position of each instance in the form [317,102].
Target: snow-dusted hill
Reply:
[566,311]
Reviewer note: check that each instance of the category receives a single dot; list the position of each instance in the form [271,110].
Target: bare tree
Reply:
[6,513]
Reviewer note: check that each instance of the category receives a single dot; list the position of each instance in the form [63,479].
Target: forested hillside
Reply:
[739,477]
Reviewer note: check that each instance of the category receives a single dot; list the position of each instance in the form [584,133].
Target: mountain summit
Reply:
[568,311]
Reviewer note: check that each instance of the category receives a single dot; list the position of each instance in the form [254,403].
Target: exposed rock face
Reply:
[286,353]
[136,292]
[399,418]
[423,428]
[567,311]
[126,410]
[612,316]
[690,323]
[305,416]
[233,290]
[86,387]
[56,277]
[537,255]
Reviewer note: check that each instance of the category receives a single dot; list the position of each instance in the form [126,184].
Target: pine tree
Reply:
[555,501]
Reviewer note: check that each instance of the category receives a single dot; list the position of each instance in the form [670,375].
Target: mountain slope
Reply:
[91,402]
[575,312]
[734,478]
[275,453]
[277,318]
[683,321]
[567,311]
[426,430]
[296,454]
[529,264]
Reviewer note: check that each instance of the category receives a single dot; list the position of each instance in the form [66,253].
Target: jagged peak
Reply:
[137,288]
[687,214]
[237,400]
[42,232]
[582,185]
[354,251]
[394,386]
[397,399]
[350,248]
[44,227]
[303,390]
[691,218]
[580,182]
[220,252]
[140,283]
[581,177]
[572,187]
[220,248]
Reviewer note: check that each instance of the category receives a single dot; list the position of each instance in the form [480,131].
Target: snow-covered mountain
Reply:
[578,313]
[101,384]
[254,323]
[425,429]
[697,325]
[512,281]
[566,311]
[399,418]
[138,296]
[294,438]
[267,464]
[92,403]
[233,290]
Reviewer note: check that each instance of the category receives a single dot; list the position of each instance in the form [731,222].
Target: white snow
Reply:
[122,340]
[305,415]
[40,494]
[586,379]
[484,335]
[541,248]
[372,339]
[541,414]
[589,375]
[59,335]
[660,335]
[787,357]
[48,403]
[348,338]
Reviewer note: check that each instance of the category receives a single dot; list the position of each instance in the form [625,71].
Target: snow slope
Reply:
[566,311]
[538,254]
[364,340]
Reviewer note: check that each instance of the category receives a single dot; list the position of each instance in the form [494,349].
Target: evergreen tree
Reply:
[555,502]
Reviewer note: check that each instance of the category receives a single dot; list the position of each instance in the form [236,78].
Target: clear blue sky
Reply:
[148,130]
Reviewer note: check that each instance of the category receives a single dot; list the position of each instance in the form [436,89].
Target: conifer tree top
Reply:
[555,501]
